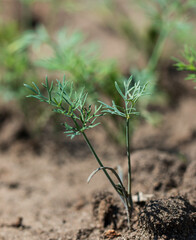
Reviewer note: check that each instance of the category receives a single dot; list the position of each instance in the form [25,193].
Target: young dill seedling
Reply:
[73,105]
[188,64]
[130,96]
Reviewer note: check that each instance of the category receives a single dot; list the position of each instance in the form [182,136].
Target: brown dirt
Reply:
[173,218]
[43,190]
[47,190]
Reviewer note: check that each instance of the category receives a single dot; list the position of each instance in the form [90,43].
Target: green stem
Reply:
[129,164]
[98,160]
[95,155]
[157,50]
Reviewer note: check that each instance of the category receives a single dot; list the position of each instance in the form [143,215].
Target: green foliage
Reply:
[69,5]
[14,67]
[189,63]
[71,55]
[70,104]
[168,21]
[81,62]
[173,17]
[74,106]
[130,97]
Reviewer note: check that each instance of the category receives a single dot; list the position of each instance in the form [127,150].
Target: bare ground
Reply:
[44,194]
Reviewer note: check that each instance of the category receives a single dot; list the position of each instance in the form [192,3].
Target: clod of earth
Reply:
[174,218]
[105,210]
[110,234]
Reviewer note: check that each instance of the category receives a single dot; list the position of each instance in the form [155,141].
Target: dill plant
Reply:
[14,67]
[188,64]
[74,106]
[79,60]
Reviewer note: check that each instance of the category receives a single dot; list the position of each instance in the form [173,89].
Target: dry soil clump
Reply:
[171,218]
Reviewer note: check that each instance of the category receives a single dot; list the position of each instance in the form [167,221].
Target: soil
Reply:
[43,189]
[44,194]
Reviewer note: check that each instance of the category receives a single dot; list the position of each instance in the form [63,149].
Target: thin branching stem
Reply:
[83,117]
[129,164]
[122,194]
[98,160]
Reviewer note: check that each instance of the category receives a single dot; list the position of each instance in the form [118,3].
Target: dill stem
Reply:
[98,160]
[129,165]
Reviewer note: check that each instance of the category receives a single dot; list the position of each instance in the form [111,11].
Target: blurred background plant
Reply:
[188,63]
[33,50]
[79,61]
[168,27]
[15,68]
